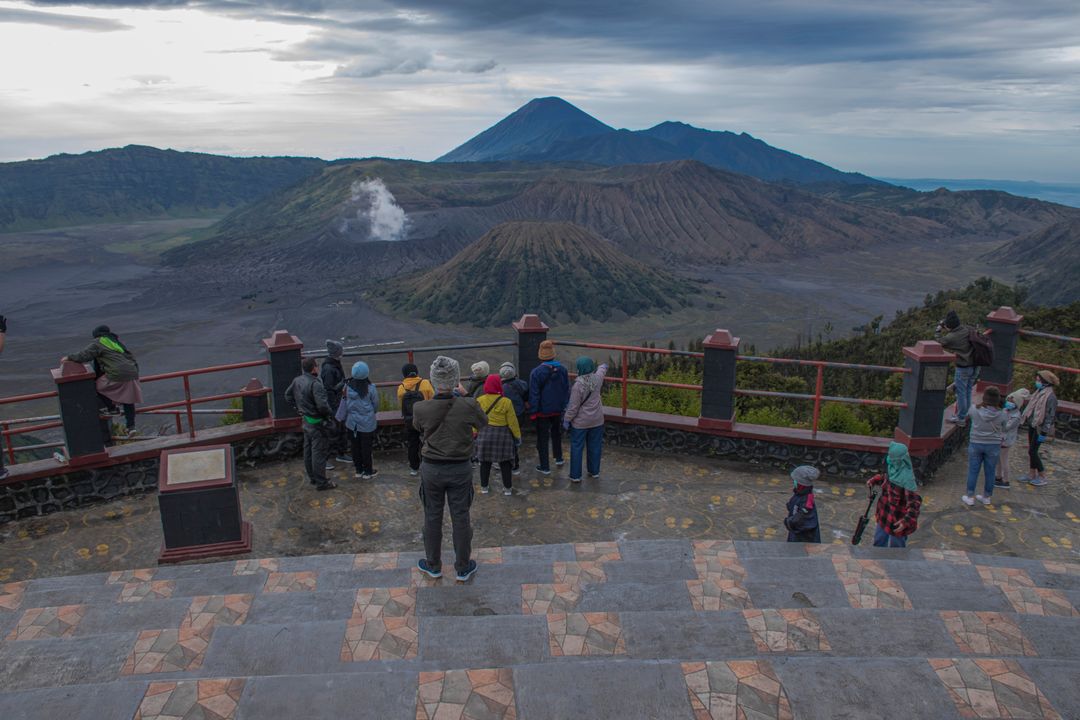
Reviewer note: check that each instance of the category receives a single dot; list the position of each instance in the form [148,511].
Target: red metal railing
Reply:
[1044,365]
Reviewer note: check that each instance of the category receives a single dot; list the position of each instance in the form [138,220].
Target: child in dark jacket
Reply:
[802,519]
[518,391]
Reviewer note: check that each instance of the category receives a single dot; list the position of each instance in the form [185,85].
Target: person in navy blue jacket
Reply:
[549,393]
[802,519]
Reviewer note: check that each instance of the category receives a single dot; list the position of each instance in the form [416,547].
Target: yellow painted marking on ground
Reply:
[835,490]
[83,553]
[770,533]
[673,522]
[753,531]
[6,573]
[774,481]
[715,499]
[849,492]
[293,532]
[1072,516]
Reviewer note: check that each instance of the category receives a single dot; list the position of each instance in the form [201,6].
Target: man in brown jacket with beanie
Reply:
[446,424]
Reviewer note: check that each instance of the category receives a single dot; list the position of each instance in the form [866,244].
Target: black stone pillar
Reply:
[255,407]
[531,331]
[285,359]
[1004,324]
[924,392]
[718,381]
[80,413]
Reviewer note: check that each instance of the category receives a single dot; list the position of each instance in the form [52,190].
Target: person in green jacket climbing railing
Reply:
[117,373]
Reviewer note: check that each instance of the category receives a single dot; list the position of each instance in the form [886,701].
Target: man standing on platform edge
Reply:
[447,423]
[307,395]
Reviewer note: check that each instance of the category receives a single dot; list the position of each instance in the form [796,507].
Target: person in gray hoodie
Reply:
[984,445]
[584,418]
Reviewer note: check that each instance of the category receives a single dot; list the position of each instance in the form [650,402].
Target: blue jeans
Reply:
[591,440]
[983,455]
[884,539]
[963,381]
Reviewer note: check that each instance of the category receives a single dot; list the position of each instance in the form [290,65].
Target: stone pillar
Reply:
[284,350]
[1004,324]
[255,407]
[924,392]
[531,331]
[718,381]
[84,431]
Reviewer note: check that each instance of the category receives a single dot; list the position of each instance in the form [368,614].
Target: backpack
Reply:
[410,398]
[982,348]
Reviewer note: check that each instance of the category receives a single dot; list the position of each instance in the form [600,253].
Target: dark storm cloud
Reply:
[68,22]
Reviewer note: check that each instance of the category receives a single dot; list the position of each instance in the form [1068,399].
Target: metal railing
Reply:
[1045,365]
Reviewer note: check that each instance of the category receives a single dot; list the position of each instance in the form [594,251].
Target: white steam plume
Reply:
[385,217]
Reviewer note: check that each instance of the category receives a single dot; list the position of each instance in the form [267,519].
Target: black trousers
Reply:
[412,442]
[316,450]
[440,485]
[1034,461]
[506,468]
[362,446]
[549,429]
[339,438]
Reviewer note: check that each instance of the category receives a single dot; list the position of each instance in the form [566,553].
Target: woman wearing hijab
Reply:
[897,512]
[117,373]
[496,441]
[1039,417]
[584,418]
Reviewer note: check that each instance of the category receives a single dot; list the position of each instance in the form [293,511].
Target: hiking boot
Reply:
[542,471]
[484,490]
[431,572]
[1002,484]
[468,572]
[344,458]
[967,500]
[329,485]
[984,499]
[1039,481]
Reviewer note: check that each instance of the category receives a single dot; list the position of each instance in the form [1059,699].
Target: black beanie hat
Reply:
[952,320]
[409,370]
[102,330]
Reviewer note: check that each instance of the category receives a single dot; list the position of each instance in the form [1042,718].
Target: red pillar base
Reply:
[202,552]
[919,446]
[706,423]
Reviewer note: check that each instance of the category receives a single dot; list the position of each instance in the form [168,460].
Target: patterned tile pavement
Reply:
[735,690]
[597,552]
[208,611]
[1039,601]
[11,595]
[720,577]
[1004,577]
[992,688]
[1062,568]
[48,622]
[375,561]
[383,626]
[542,599]
[488,556]
[957,557]
[253,567]
[868,586]
[466,695]
[579,573]
[585,634]
[169,650]
[124,577]
[278,582]
[986,633]
[191,700]
[786,631]
[138,590]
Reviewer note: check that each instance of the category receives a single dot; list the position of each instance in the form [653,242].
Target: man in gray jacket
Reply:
[954,337]
[446,424]
[307,395]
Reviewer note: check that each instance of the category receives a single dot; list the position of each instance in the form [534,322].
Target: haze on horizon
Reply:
[909,89]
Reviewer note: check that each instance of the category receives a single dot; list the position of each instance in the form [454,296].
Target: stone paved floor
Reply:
[640,495]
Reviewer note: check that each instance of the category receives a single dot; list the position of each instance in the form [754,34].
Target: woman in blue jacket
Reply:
[361,405]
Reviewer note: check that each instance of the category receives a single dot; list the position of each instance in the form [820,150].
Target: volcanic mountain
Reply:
[552,130]
[556,269]
[1051,258]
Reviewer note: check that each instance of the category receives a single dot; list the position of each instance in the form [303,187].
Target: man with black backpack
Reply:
[307,395]
[413,389]
[973,350]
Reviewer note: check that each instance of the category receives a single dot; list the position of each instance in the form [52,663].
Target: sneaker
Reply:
[517,471]
[329,466]
[469,572]
[575,480]
[372,474]
[559,463]
[358,476]
[132,432]
[984,499]
[1002,484]
[508,491]
[365,476]
[484,490]
[967,500]
[432,572]
[328,485]
[1038,481]
[344,458]
[595,477]
[414,473]
[542,471]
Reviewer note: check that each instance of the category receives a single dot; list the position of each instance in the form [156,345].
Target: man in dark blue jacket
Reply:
[549,392]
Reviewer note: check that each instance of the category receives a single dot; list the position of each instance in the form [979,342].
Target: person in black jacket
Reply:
[802,519]
[332,375]
[308,396]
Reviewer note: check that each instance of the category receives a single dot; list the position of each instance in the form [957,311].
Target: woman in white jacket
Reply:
[1014,406]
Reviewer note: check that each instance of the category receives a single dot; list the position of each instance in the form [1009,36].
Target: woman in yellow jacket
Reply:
[413,389]
[497,440]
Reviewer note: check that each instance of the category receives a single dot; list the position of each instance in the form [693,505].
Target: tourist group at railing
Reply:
[539,391]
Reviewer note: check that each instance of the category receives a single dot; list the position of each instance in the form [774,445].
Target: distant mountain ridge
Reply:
[1050,257]
[552,130]
[137,182]
[556,269]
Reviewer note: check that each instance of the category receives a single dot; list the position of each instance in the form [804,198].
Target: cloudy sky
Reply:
[900,88]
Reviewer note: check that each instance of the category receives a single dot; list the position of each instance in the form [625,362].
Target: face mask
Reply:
[1038,385]
[1010,405]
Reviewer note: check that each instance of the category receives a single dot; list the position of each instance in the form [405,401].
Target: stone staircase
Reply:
[663,629]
